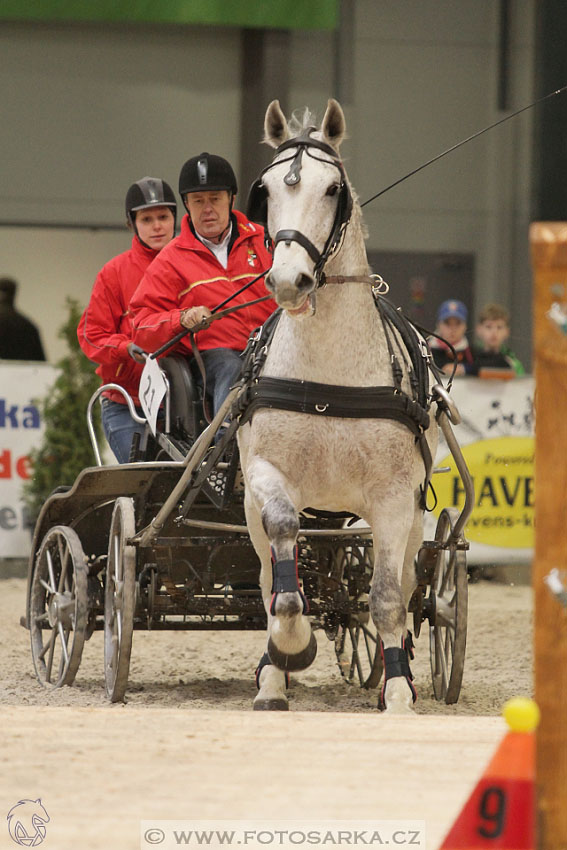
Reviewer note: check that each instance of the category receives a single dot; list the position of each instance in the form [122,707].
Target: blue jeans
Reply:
[222,368]
[119,428]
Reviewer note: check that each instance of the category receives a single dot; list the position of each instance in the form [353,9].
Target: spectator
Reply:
[490,350]
[19,337]
[216,253]
[105,329]
[451,325]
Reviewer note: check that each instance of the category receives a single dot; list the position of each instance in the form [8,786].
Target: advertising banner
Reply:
[21,386]
[496,436]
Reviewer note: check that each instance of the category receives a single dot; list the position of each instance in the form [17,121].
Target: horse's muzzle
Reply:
[290,294]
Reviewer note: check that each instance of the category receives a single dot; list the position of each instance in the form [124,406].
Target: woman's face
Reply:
[155,226]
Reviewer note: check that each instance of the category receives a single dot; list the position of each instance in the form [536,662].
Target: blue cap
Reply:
[452,310]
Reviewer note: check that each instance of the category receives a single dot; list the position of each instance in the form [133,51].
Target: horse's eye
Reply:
[332,190]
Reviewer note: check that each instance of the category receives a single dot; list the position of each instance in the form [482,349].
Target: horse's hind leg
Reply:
[291,643]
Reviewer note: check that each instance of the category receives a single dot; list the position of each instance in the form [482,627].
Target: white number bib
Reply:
[152,390]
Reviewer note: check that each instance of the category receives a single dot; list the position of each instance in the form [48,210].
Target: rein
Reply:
[216,313]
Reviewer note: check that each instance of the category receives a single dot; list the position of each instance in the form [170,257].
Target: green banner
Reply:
[272,14]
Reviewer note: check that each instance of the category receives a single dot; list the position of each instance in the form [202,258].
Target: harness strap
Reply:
[352,278]
[334,400]
[428,463]
[289,236]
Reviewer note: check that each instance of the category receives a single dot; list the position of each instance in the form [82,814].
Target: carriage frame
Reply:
[163,544]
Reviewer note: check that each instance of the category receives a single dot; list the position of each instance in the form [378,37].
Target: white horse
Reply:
[372,467]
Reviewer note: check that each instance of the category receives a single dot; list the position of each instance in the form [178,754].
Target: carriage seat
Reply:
[186,401]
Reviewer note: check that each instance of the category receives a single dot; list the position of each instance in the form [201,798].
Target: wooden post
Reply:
[549,259]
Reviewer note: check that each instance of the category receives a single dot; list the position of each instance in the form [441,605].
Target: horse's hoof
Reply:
[274,704]
[292,663]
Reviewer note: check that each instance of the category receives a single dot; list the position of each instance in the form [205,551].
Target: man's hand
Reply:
[136,353]
[195,318]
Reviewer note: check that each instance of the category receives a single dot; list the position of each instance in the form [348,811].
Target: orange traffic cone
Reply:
[500,812]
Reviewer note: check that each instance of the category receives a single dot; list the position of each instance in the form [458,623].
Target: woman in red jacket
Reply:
[105,329]
[216,253]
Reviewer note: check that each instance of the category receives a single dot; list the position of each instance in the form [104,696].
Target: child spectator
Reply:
[452,326]
[490,350]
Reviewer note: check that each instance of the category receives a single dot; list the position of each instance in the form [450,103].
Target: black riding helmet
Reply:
[207,173]
[149,192]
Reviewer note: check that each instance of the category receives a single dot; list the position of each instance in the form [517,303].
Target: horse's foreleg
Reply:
[270,681]
[388,607]
[291,643]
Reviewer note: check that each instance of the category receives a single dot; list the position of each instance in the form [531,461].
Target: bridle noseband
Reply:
[258,200]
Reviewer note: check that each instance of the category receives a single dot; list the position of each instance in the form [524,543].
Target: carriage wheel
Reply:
[357,644]
[58,607]
[448,603]
[358,654]
[119,599]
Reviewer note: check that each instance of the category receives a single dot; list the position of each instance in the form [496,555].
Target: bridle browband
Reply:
[258,199]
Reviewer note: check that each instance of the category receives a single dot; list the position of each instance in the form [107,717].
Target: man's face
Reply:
[155,226]
[209,212]
[493,333]
[452,329]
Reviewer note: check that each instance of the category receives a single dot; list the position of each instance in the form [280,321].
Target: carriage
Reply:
[164,542]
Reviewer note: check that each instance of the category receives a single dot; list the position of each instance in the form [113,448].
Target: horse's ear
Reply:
[333,125]
[276,130]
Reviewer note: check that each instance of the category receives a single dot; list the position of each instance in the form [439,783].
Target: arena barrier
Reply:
[496,435]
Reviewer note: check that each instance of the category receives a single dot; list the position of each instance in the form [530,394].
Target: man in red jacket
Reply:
[105,329]
[216,253]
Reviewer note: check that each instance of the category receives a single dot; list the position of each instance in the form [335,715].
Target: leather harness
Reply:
[347,402]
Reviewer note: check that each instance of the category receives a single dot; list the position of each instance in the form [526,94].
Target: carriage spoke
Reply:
[63,638]
[53,583]
[52,643]
[47,645]
[46,586]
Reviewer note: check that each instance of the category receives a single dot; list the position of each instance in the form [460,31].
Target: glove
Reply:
[195,318]
[136,353]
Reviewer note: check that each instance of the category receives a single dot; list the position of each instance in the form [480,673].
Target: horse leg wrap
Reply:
[396,664]
[286,580]
[264,661]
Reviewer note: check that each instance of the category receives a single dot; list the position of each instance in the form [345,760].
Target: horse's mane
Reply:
[300,120]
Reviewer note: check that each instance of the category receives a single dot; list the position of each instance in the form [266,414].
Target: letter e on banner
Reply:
[153,387]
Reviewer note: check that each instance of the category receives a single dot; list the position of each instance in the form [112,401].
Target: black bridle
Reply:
[257,209]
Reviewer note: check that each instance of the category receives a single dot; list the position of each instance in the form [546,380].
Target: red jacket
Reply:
[105,329]
[187,274]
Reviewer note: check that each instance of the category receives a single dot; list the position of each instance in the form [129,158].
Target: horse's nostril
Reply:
[268,283]
[304,283]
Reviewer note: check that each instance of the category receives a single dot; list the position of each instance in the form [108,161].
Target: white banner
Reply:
[22,385]
[496,436]
[497,440]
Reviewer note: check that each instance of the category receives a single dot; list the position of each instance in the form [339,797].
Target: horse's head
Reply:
[308,203]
